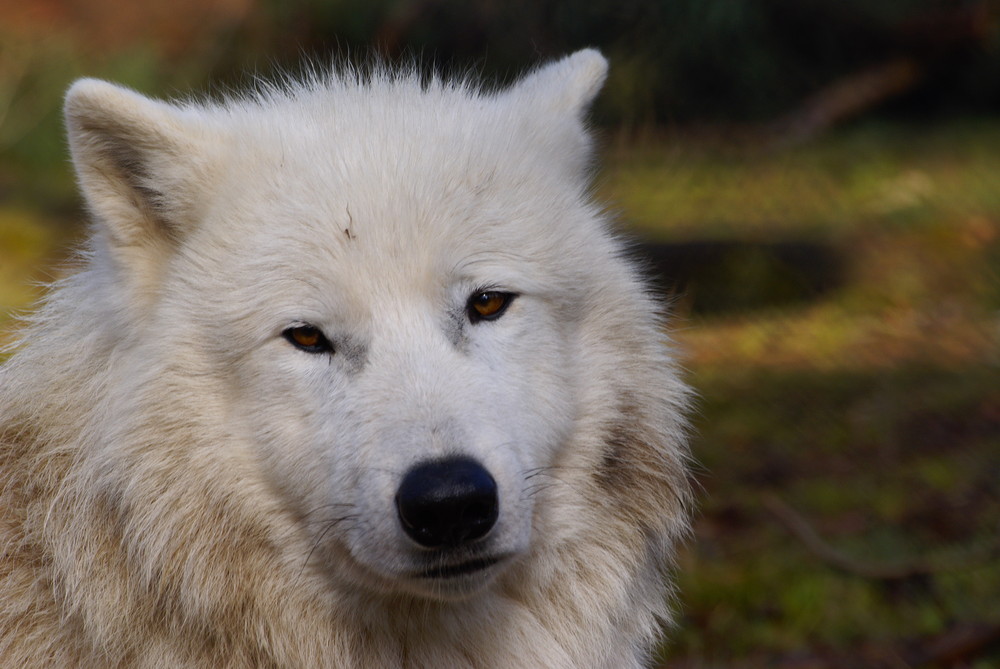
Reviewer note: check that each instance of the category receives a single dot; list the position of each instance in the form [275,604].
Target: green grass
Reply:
[874,177]
[895,468]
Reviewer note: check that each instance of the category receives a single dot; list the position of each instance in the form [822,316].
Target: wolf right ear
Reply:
[567,85]
[137,161]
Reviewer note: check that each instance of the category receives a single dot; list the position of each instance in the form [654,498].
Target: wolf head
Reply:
[386,316]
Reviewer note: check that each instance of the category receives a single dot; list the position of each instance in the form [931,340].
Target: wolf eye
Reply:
[488,305]
[308,338]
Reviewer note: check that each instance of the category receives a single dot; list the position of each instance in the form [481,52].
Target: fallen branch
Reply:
[956,647]
[848,97]
[801,529]
[921,42]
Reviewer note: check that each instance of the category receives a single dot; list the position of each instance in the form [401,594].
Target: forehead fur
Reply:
[383,153]
[392,127]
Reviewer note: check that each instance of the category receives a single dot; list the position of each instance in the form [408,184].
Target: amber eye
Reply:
[488,305]
[308,338]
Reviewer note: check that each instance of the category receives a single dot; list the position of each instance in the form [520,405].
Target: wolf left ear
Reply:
[138,164]
[568,85]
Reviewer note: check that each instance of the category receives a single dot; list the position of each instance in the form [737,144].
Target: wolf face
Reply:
[379,350]
[384,286]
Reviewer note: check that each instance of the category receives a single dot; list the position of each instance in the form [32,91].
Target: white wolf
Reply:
[353,375]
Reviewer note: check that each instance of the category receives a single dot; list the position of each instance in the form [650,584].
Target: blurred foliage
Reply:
[674,60]
[27,244]
[34,77]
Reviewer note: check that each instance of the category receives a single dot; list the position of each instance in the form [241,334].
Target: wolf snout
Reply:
[447,502]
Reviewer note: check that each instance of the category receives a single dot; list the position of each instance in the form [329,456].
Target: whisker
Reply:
[330,525]
[531,491]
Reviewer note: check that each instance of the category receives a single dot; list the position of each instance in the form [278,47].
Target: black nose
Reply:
[447,502]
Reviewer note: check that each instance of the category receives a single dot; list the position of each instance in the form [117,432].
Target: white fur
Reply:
[182,487]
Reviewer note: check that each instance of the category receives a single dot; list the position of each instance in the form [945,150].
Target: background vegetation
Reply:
[817,185]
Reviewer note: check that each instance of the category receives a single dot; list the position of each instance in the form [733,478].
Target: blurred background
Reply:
[816,183]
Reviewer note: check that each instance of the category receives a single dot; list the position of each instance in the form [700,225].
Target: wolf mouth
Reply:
[461,569]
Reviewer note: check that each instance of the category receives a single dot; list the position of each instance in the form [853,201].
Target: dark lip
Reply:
[460,569]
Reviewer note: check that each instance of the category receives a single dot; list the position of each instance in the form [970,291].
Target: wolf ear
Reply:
[137,161]
[568,85]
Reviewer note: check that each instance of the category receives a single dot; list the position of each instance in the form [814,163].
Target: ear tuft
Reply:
[569,84]
[586,71]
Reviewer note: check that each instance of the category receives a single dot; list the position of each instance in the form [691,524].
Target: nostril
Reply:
[447,502]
